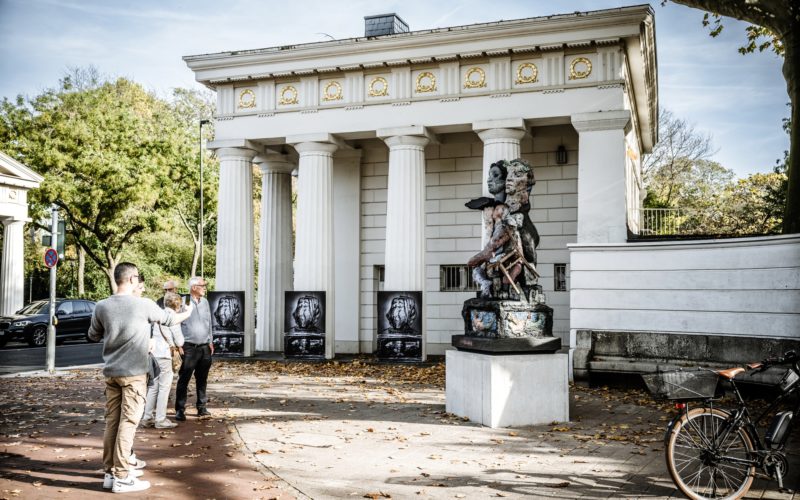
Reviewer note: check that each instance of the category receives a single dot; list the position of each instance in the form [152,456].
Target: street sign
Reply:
[50,257]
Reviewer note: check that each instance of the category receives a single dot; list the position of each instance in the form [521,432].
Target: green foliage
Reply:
[120,163]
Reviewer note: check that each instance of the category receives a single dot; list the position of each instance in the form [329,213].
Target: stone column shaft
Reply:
[275,251]
[12,270]
[602,214]
[405,214]
[235,257]
[314,256]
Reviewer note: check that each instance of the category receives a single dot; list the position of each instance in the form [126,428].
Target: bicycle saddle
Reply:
[730,373]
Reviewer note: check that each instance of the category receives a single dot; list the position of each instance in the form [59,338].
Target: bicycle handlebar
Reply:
[788,357]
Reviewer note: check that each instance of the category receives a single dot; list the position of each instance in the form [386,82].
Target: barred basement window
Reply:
[456,278]
[560,277]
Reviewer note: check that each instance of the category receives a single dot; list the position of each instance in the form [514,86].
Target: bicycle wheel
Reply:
[706,460]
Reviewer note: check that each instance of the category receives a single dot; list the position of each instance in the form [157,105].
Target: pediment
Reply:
[14,173]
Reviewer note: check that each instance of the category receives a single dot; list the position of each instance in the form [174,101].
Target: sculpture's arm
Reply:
[488,252]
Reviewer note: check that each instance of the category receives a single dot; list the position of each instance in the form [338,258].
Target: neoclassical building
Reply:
[15,181]
[391,134]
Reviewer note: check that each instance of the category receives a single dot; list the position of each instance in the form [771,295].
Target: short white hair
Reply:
[195,280]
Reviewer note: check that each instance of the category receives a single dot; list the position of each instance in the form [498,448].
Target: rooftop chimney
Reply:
[384,24]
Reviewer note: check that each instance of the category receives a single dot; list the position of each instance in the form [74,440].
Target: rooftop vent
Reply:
[384,24]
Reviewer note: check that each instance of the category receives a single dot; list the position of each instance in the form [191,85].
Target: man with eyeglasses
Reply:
[123,322]
[197,351]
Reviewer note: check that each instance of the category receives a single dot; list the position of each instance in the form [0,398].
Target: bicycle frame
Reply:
[740,417]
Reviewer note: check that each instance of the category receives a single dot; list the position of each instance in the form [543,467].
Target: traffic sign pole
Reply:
[51,328]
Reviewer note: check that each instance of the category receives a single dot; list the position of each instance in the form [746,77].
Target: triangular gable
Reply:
[14,173]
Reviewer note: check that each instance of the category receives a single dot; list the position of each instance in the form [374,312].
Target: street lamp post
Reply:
[202,208]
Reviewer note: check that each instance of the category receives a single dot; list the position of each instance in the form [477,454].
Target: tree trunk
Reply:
[791,44]
[109,270]
[81,271]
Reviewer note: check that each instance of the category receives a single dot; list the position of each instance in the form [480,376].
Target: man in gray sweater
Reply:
[123,322]
[198,347]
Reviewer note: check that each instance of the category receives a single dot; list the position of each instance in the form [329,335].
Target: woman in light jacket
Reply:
[158,394]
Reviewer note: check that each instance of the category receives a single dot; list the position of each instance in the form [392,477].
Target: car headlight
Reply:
[20,323]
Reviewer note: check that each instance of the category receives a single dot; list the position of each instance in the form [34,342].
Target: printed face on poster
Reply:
[304,325]
[399,325]
[227,322]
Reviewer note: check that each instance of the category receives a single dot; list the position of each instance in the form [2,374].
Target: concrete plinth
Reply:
[507,391]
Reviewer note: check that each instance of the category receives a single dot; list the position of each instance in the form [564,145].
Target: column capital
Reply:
[410,131]
[233,144]
[406,140]
[601,120]
[505,123]
[232,153]
[279,164]
[319,137]
[501,134]
[313,147]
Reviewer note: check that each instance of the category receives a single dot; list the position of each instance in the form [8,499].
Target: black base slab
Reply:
[304,346]
[399,348]
[516,345]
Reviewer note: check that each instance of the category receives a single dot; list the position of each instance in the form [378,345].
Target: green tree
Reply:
[776,24]
[111,154]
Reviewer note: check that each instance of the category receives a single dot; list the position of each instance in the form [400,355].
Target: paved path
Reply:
[339,430]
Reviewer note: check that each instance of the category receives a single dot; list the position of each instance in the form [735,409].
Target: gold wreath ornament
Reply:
[288,95]
[426,82]
[332,92]
[470,83]
[378,87]
[247,99]
[527,73]
[579,74]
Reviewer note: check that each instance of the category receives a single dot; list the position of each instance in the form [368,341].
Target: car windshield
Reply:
[35,307]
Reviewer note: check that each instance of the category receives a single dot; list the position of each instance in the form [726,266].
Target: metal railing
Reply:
[676,221]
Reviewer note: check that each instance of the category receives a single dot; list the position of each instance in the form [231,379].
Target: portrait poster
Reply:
[399,326]
[227,322]
[304,325]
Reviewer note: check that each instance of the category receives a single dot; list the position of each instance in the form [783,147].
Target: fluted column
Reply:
[275,250]
[235,257]
[602,214]
[314,256]
[405,213]
[12,272]
[501,141]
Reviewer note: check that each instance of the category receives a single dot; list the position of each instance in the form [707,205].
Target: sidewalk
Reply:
[339,430]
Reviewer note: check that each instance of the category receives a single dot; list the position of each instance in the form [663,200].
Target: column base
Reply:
[507,391]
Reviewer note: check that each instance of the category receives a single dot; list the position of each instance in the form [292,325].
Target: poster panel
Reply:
[227,322]
[399,326]
[304,325]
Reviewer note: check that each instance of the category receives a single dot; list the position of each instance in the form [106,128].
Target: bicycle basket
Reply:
[682,384]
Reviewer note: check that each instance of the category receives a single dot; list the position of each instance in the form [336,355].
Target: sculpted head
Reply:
[227,313]
[496,182]
[519,182]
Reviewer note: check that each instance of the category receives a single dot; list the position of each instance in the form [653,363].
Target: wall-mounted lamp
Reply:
[561,155]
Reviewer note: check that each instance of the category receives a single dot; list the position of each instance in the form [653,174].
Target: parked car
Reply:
[29,324]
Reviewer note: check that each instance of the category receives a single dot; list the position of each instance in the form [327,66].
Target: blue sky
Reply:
[739,100]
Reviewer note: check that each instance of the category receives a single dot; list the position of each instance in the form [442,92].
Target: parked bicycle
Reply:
[713,452]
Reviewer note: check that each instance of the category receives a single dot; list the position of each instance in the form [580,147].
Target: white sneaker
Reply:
[108,478]
[136,463]
[165,424]
[129,484]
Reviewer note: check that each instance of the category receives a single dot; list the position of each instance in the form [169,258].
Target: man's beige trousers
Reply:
[124,406]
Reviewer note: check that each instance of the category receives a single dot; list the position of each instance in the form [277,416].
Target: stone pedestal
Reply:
[508,391]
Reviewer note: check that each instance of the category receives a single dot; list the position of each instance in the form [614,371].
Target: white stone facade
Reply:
[392,135]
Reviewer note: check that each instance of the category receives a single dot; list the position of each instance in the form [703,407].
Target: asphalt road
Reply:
[16,357]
